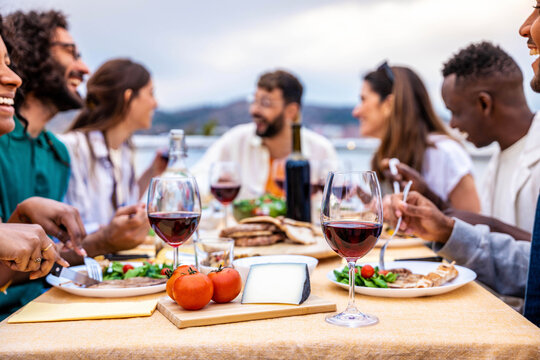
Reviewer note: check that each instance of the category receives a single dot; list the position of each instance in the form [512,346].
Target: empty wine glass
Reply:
[351,219]
[174,209]
[225,182]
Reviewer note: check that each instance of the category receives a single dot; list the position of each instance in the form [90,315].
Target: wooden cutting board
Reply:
[235,311]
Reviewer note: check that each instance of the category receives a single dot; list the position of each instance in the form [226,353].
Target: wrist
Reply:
[96,243]
[447,229]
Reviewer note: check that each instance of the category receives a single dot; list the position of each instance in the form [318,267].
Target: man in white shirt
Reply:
[483,89]
[255,146]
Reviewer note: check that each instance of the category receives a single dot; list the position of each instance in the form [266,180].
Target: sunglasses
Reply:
[388,71]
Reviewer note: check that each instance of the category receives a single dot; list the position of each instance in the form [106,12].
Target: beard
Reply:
[58,93]
[272,128]
[535,83]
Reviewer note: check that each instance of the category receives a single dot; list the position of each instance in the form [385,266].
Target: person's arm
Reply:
[494,224]
[158,166]
[464,195]
[499,260]
[127,230]
[57,219]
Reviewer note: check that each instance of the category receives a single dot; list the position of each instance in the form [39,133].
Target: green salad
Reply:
[120,271]
[265,205]
[366,276]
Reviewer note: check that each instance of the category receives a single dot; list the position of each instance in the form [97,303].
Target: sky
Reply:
[212,52]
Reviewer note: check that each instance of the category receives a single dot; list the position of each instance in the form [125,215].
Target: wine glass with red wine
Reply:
[225,182]
[174,209]
[351,220]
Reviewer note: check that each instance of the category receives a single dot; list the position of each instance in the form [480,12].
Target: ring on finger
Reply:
[47,248]
[37,260]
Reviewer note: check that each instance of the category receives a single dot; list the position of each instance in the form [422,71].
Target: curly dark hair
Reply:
[29,37]
[481,60]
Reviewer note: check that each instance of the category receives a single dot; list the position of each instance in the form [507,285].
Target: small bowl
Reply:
[243,265]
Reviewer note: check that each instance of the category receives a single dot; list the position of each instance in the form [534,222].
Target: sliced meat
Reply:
[128,283]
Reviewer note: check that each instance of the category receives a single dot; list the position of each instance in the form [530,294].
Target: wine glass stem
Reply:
[175,259]
[351,306]
[226,215]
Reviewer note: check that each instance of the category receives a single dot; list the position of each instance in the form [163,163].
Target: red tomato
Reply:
[367,271]
[165,271]
[180,271]
[126,268]
[383,272]
[227,284]
[193,291]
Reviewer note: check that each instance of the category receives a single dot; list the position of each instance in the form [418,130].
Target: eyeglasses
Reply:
[70,47]
[262,102]
[388,71]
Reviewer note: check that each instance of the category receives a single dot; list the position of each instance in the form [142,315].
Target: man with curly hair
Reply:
[483,89]
[33,162]
[46,57]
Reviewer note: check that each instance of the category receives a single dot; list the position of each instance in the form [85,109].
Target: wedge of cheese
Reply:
[279,283]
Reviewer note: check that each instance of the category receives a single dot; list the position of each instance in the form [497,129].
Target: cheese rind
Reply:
[278,283]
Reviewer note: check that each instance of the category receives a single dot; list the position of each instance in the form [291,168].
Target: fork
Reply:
[93,268]
[383,249]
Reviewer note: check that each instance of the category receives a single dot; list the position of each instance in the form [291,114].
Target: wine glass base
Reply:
[352,320]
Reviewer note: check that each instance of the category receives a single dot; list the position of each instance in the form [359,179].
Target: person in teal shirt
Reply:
[47,177]
[33,162]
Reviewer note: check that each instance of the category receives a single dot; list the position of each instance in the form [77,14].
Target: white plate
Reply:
[66,285]
[418,267]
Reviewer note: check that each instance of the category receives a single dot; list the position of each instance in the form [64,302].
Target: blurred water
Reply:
[354,154]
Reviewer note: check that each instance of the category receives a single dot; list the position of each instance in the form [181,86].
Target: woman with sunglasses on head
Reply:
[120,100]
[395,107]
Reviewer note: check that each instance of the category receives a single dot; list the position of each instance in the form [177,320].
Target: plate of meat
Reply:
[110,288]
[413,279]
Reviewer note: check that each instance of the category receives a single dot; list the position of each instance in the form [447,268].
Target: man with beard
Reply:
[255,146]
[32,161]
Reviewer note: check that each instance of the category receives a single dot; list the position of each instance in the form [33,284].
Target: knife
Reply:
[430,258]
[120,257]
[75,276]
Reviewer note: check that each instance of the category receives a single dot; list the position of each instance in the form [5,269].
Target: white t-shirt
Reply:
[445,164]
[502,206]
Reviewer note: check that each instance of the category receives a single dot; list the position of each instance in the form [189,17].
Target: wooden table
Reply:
[466,323]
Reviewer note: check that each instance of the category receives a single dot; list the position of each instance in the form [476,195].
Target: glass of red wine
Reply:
[225,182]
[351,220]
[174,209]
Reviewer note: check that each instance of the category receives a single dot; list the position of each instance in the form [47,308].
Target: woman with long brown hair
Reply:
[395,107]
[119,101]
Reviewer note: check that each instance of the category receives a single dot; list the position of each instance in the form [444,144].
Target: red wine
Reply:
[174,228]
[315,188]
[280,183]
[351,239]
[225,192]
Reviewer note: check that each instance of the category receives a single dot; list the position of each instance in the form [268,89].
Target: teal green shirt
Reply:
[29,167]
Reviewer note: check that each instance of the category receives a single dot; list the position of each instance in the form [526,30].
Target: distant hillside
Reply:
[217,119]
[214,120]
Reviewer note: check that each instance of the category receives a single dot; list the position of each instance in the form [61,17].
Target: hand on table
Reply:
[57,219]
[27,248]
[420,217]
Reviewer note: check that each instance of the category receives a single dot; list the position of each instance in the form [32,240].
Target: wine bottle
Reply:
[176,165]
[297,179]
